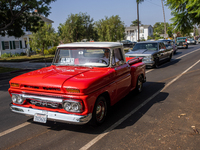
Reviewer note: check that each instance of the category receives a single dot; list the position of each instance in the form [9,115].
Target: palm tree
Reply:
[138,1]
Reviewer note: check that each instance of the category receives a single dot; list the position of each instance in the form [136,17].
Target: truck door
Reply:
[122,71]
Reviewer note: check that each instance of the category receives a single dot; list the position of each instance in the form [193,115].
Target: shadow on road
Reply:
[118,111]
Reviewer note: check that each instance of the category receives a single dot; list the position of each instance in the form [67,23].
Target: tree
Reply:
[159,27]
[18,14]
[135,23]
[45,37]
[186,14]
[76,28]
[110,29]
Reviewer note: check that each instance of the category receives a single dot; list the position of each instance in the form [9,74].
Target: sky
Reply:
[150,11]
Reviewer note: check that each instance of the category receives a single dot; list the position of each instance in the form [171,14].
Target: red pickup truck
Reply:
[84,80]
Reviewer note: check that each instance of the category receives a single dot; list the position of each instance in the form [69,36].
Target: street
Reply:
[164,116]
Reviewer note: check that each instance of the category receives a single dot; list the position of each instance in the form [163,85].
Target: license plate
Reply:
[40,118]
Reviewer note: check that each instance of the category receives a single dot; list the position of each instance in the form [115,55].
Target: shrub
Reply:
[46,52]
[5,55]
[22,54]
[52,50]
[38,51]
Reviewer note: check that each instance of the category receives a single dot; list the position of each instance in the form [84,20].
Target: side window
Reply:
[117,58]
[160,46]
[163,45]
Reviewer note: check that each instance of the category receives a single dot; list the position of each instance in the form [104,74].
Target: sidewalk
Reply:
[24,65]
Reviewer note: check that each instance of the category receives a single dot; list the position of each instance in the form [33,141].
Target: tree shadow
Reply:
[125,106]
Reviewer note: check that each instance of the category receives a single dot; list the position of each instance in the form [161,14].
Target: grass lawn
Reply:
[5,69]
[25,58]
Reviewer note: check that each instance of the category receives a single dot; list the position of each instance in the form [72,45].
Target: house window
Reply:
[141,30]
[17,45]
[6,45]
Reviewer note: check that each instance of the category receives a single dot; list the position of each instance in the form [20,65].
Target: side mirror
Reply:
[129,50]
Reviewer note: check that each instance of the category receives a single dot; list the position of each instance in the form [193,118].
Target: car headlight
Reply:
[73,105]
[17,99]
[148,58]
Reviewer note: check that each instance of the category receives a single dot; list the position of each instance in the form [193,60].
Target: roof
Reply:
[136,27]
[46,19]
[159,41]
[91,44]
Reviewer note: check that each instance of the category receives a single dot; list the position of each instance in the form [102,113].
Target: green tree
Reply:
[110,29]
[135,23]
[159,27]
[76,28]
[17,14]
[44,38]
[186,14]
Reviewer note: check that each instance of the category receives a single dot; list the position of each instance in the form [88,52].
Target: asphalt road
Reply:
[164,116]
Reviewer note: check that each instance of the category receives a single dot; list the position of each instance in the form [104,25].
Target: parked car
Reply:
[127,43]
[80,85]
[191,41]
[153,52]
[170,44]
[198,40]
[181,42]
[175,49]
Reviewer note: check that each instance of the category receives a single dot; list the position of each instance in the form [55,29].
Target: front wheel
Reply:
[99,112]
[156,64]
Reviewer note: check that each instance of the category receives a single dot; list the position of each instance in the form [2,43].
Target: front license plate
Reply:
[40,118]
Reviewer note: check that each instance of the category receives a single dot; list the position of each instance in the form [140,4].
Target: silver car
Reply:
[153,52]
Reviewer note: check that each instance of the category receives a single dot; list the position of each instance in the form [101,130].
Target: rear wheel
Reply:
[99,112]
[170,57]
[139,85]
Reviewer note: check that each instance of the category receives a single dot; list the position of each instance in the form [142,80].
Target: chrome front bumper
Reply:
[54,116]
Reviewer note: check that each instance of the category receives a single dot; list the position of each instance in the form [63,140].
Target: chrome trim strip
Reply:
[58,100]
[55,116]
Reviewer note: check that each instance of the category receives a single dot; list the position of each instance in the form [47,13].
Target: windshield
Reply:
[168,43]
[183,39]
[191,39]
[82,57]
[148,46]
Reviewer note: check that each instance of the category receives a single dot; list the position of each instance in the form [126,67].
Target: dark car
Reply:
[170,44]
[153,52]
[127,43]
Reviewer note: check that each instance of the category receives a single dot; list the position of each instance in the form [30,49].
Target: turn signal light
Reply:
[14,84]
[73,90]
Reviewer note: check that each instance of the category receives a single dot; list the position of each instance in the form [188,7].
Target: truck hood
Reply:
[139,52]
[64,76]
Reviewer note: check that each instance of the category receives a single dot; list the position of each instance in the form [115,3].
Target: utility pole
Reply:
[138,21]
[164,17]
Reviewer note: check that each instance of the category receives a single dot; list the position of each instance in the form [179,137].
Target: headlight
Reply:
[148,58]
[73,106]
[17,99]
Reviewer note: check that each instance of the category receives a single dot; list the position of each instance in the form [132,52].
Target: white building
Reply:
[11,44]
[132,32]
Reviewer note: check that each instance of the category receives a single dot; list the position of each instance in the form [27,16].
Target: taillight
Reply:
[185,40]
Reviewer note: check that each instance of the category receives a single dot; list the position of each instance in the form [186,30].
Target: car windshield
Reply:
[167,43]
[190,39]
[82,57]
[181,39]
[148,46]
